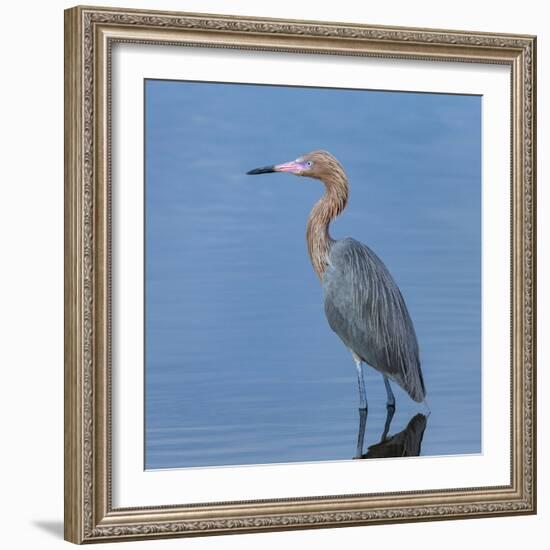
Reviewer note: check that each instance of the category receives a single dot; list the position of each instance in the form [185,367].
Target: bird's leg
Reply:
[361,380]
[361,433]
[428,410]
[389,416]
[390,403]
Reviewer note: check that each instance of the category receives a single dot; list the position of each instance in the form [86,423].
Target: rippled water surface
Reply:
[241,365]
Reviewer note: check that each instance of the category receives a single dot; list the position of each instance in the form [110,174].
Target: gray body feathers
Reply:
[365,308]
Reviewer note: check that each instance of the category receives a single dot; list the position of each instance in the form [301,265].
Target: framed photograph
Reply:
[300,274]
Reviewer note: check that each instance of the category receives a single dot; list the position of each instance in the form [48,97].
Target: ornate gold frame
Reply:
[89,35]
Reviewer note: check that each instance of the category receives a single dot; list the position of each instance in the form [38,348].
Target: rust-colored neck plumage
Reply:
[327,208]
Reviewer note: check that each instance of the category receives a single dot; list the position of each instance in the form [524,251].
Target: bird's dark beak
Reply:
[293,167]
[264,170]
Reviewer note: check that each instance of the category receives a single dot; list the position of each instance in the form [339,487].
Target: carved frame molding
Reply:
[89,35]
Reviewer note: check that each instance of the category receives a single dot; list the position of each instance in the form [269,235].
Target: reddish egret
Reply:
[363,304]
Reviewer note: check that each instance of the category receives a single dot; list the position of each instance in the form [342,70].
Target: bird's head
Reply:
[317,164]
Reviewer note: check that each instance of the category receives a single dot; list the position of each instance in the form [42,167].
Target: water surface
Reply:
[241,365]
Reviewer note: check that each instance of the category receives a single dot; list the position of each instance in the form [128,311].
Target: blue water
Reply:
[241,365]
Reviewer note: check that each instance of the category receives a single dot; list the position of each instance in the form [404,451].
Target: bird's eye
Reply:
[309,164]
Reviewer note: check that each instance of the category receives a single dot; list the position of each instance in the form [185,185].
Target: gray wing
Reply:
[365,308]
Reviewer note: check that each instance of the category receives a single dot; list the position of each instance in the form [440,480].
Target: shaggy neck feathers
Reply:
[325,210]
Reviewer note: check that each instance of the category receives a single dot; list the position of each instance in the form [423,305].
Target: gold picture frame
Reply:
[89,36]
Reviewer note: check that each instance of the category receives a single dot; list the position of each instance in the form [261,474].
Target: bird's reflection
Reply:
[405,443]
